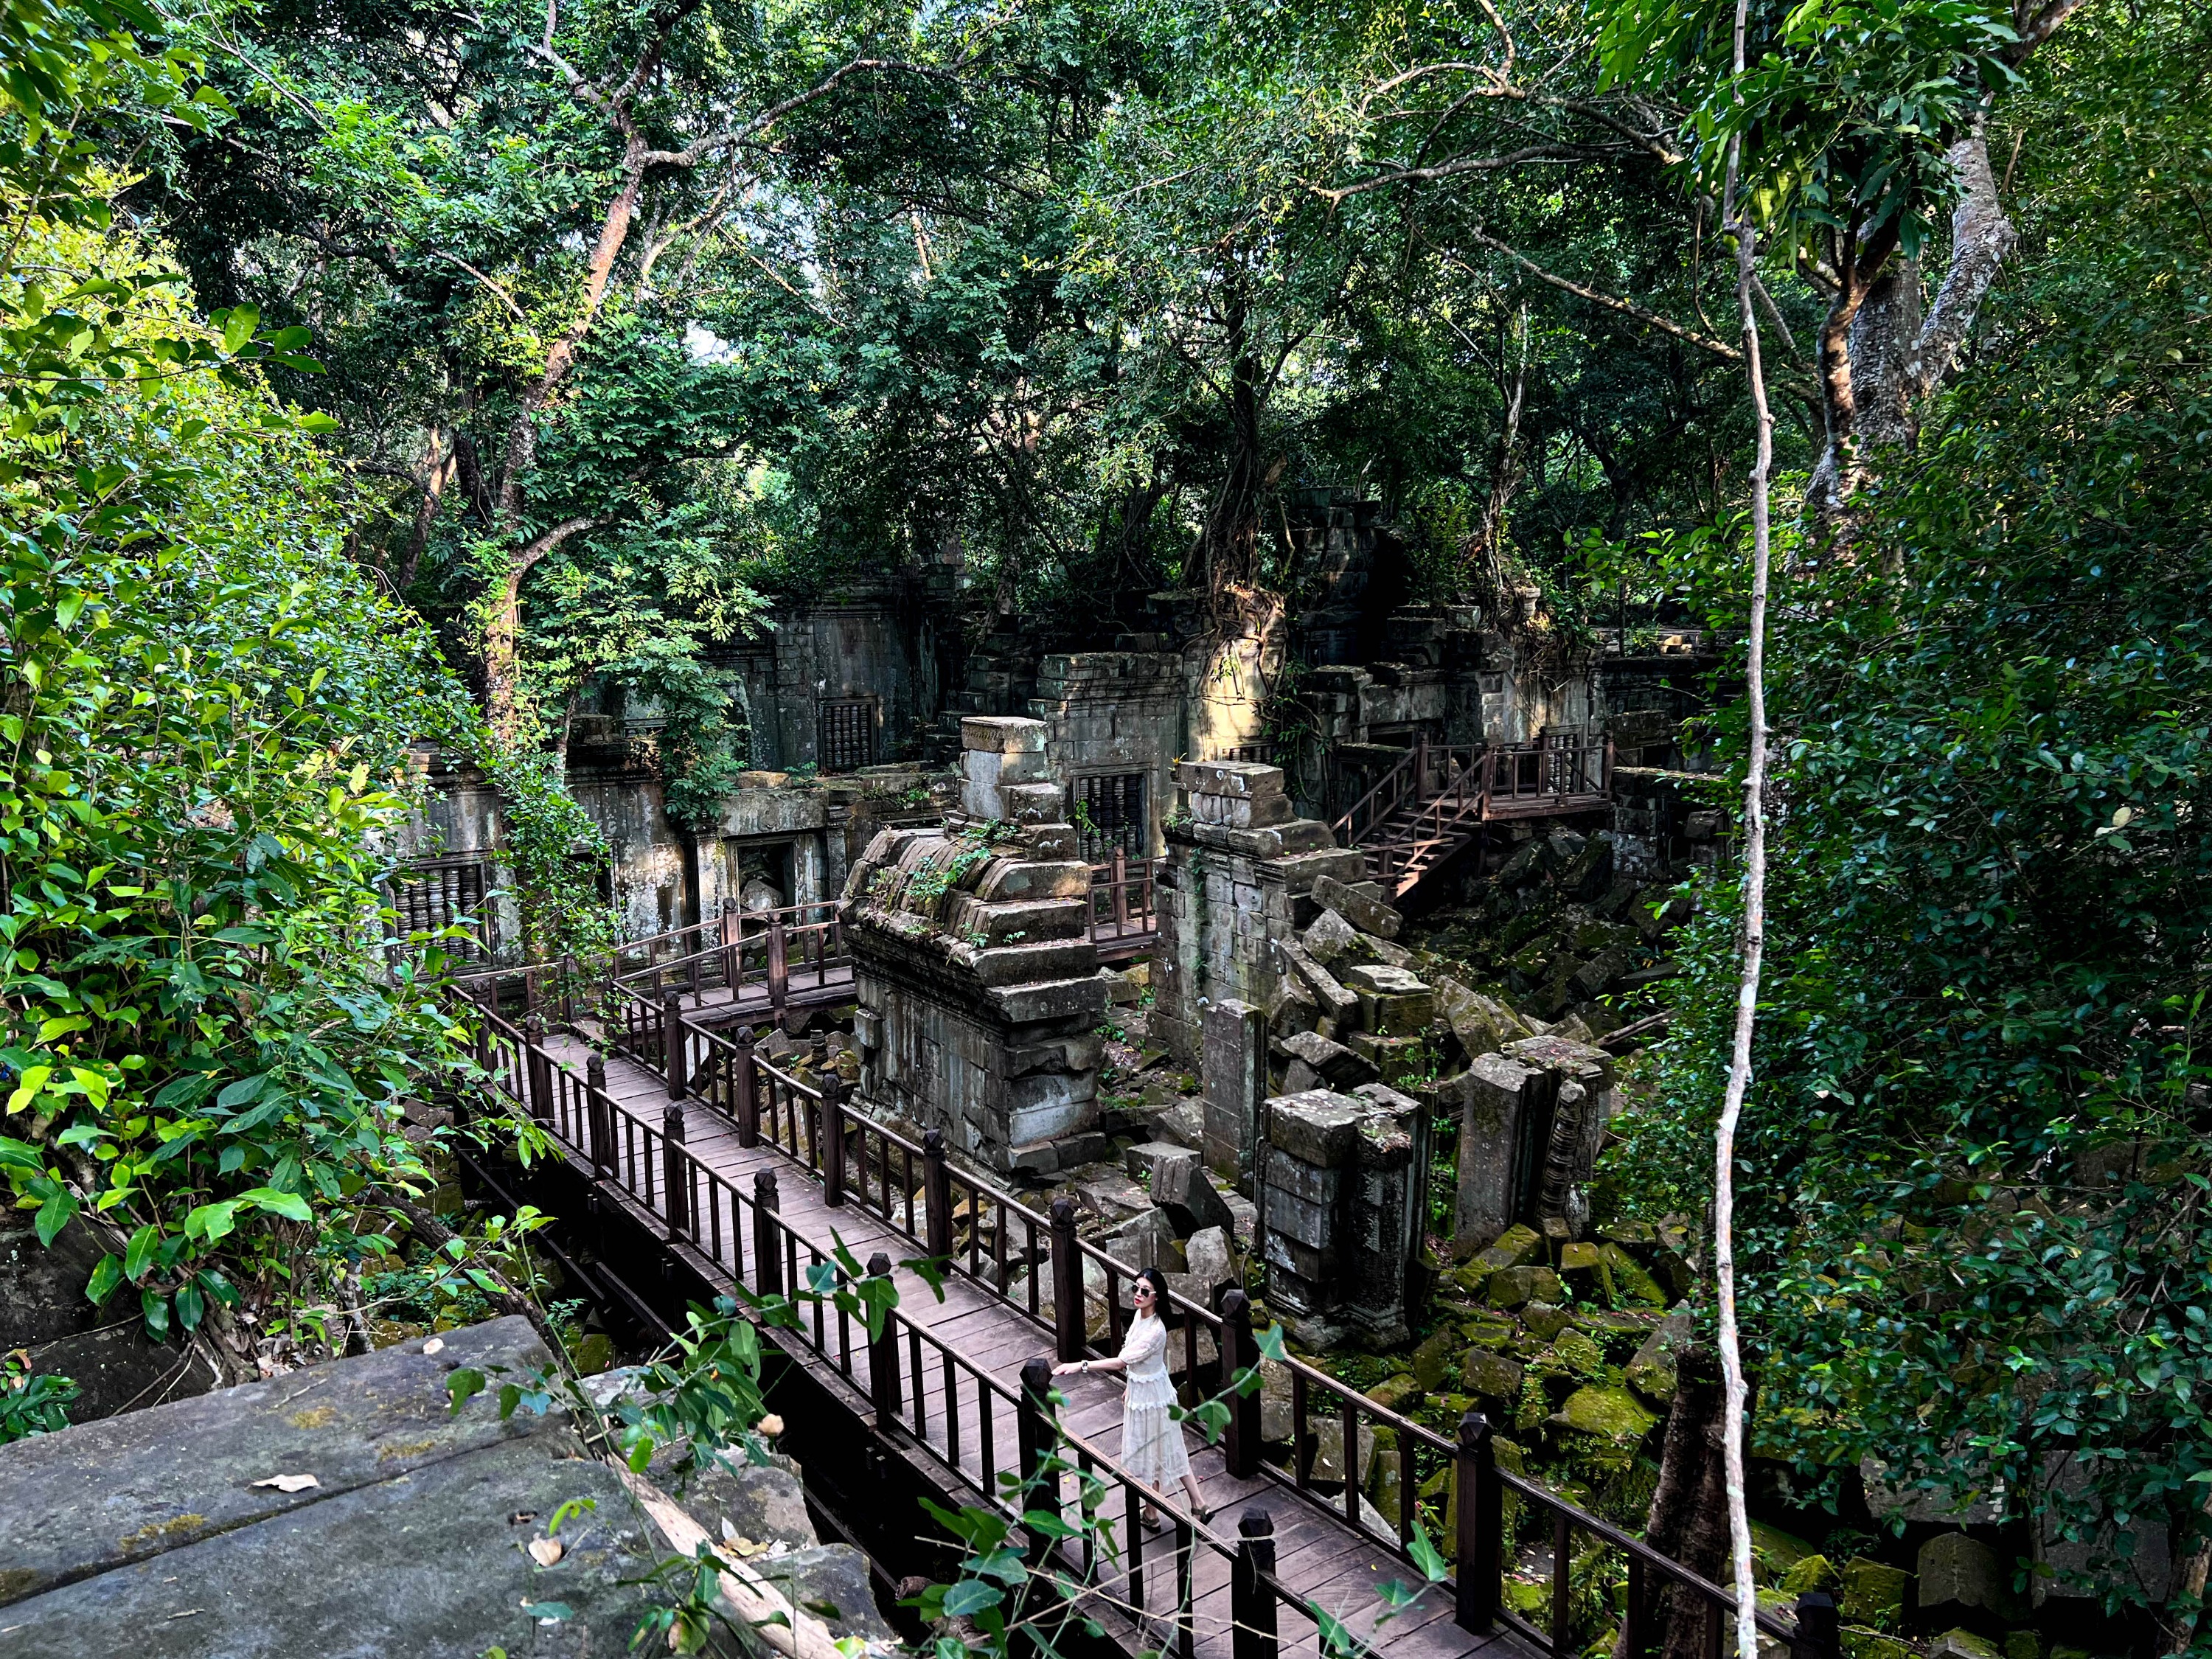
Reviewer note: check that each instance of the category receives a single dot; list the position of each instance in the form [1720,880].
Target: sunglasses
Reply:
[1142,1290]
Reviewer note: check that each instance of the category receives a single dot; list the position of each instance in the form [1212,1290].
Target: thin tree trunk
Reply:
[1732,1389]
[437,465]
[2189,1581]
[1505,475]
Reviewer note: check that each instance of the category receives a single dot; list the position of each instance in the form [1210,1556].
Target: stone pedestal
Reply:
[1343,1189]
[978,983]
[1237,881]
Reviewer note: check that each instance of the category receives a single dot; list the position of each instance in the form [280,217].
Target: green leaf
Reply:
[106,1274]
[463,1385]
[290,1206]
[140,1254]
[245,1090]
[54,1215]
[551,1610]
[238,326]
[970,1596]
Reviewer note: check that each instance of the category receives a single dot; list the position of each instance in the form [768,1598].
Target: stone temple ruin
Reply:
[977,981]
[1341,1020]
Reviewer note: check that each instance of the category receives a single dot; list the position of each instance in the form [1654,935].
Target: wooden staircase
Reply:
[1436,800]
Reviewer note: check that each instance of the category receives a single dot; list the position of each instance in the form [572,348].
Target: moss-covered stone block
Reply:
[1489,1335]
[1609,1414]
[1874,1591]
[1491,1377]
[1432,1359]
[1395,1392]
[1625,1280]
[1543,1321]
[1511,1287]
[1813,1572]
[1576,1353]
[1517,1246]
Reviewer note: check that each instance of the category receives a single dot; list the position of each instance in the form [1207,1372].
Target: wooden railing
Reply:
[1559,771]
[1123,900]
[797,948]
[560,988]
[861,1162]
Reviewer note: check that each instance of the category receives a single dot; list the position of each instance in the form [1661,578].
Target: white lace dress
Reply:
[1152,1440]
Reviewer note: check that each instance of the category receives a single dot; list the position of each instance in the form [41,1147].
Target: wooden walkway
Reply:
[953,1368]
[747,1184]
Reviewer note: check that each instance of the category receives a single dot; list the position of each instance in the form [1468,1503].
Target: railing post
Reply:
[601,1111]
[1818,1636]
[675,1176]
[1121,891]
[936,1194]
[1034,1434]
[830,1125]
[1251,1591]
[1240,1443]
[671,1041]
[569,989]
[779,965]
[745,1089]
[536,1070]
[768,1247]
[884,1356]
[1481,1525]
[1069,1329]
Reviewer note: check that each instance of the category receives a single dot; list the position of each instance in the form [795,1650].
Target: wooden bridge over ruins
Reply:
[753,1178]
[753,965]
[1441,797]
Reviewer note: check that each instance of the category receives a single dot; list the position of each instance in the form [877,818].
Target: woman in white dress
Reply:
[1152,1440]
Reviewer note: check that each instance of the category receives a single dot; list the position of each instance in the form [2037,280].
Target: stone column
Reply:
[1343,1189]
[1233,1063]
[978,983]
[1531,1117]
[1238,880]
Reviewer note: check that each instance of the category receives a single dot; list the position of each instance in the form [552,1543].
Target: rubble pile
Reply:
[1564,933]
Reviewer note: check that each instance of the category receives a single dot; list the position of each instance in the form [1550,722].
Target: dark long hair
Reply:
[1162,1309]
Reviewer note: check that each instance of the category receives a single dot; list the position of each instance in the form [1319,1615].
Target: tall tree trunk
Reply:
[1880,357]
[1688,1517]
[1734,1390]
[1231,541]
[503,613]
[1487,551]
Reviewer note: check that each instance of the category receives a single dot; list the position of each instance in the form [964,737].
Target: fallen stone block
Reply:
[1957,1569]
[1651,1372]
[1180,1187]
[1874,1591]
[1490,1376]
[1143,1159]
[1336,1066]
[1511,1287]
[1370,915]
[1329,938]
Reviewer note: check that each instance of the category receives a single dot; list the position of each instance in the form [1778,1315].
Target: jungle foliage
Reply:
[208,1023]
[581,333]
